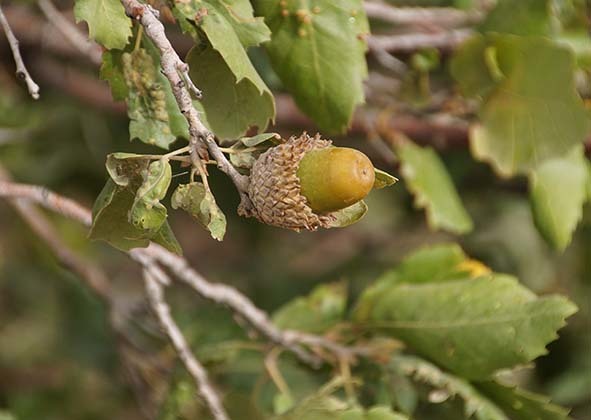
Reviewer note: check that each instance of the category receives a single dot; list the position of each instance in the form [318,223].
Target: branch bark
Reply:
[21,70]
[91,274]
[177,73]
[158,303]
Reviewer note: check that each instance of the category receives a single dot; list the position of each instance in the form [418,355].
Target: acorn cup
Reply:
[306,183]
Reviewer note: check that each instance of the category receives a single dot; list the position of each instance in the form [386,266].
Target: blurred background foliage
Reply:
[61,358]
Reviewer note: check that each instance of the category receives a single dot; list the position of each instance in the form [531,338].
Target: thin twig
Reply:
[440,16]
[444,40]
[71,32]
[41,195]
[177,73]
[218,293]
[21,69]
[230,297]
[222,294]
[175,69]
[94,277]
[155,293]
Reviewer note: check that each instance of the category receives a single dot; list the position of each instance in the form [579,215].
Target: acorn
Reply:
[303,182]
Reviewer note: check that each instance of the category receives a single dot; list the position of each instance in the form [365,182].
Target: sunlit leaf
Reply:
[470,325]
[307,51]
[107,22]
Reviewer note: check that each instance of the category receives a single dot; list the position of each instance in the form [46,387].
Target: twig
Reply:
[177,73]
[440,16]
[155,294]
[70,32]
[218,293]
[231,298]
[175,70]
[62,205]
[444,40]
[94,277]
[21,70]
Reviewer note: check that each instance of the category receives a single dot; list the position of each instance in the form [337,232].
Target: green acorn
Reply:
[301,183]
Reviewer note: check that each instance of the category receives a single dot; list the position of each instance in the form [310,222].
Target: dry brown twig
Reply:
[21,70]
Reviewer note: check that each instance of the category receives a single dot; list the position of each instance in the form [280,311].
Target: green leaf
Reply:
[428,180]
[126,169]
[471,326]
[259,139]
[147,213]
[165,237]
[448,386]
[318,50]
[373,413]
[196,200]
[107,22]
[530,115]
[154,115]
[5,415]
[234,95]
[520,404]
[236,15]
[110,221]
[579,42]
[349,215]
[473,67]
[523,17]
[323,308]
[112,71]
[383,179]
[589,180]
[233,100]
[132,195]
[243,159]
[431,264]
[558,192]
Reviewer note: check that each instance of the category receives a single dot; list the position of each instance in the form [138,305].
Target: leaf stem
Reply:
[138,38]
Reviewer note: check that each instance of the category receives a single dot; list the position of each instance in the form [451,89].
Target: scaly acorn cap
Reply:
[275,187]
